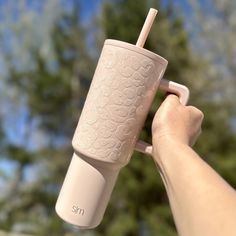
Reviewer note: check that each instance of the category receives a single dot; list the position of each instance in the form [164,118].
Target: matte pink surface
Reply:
[124,85]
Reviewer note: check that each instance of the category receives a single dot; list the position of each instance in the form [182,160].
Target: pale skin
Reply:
[202,202]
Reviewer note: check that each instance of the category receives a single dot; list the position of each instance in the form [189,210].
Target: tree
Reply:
[139,205]
[53,81]
[214,42]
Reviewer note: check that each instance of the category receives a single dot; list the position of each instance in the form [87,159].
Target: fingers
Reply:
[170,97]
[195,137]
[197,117]
[196,114]
[174,118]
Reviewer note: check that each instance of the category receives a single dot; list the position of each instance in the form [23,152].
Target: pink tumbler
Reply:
[124,85]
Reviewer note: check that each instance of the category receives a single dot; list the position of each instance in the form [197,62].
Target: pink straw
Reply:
[146,27]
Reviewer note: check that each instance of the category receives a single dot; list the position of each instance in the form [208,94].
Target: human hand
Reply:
[174,122]
[176,127]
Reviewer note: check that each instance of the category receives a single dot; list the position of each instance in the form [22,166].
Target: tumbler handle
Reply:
[168,86]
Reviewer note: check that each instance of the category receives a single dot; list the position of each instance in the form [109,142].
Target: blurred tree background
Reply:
[49,51]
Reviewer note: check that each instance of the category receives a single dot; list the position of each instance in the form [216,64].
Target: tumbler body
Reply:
[122,90]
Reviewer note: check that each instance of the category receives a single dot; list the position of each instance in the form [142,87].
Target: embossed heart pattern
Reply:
[124,85]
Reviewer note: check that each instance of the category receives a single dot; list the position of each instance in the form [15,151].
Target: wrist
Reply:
[161,144]
[166,147]
[171,157]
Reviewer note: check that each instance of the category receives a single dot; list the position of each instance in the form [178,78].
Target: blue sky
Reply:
[16,125]
[88,10]
[15,132]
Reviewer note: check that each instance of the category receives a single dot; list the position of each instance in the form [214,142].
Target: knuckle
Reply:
[172,98]
[197,112]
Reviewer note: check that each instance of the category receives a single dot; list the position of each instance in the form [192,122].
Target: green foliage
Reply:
[139,190]
[215,42]
[142,190]
[55,89]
